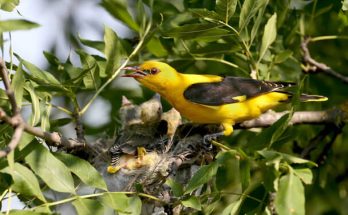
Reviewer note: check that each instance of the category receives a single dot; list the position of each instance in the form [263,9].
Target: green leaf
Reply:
[244,171]
[83,169]
[269,35]
[204,13]
[17,85]
[271,175]
[304,174]
[51,170]
[271,134]
[202,176]
[248,11]
[113,50]
[156,48]
[281,57]
[260,17]
[51,58]
[98,45]
[60,122]
[5,181]
[290,196]
[35,104]
[88,207]
[232,208]
[214,48]
[121,203]
[24,181]
[228,174]
[118,9]
[296,160]
[270,155]
[197,31]
[192,202]
[117,201]
[25,140]
[8,5]
[45,107]
[141,17]
[345,5]
[90,74]
[43,76]
[134,207]
[226,9]
[16,24]
[177,188]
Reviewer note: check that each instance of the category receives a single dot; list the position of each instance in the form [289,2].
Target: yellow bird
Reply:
[214,99]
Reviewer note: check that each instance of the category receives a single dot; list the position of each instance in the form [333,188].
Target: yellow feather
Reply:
[172,84]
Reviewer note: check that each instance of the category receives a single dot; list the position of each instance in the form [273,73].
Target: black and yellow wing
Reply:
[230,90]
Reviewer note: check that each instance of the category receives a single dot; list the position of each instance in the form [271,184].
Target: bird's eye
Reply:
[154,71]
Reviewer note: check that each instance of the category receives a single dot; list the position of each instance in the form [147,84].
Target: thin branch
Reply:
[16,116]
[53,139]
[316,66]
[114,75]
[80,132]
[9,91]
[335,130]
[14,140]
[17,122]
[299,117]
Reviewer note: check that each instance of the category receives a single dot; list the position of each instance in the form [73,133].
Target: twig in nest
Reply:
[316,66]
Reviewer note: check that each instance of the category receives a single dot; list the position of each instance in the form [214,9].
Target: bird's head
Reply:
[155,75]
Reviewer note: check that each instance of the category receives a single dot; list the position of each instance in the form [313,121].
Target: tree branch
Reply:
[16,116]
[14,140]
[53,139]
[9,91]
[17,122]
[316,66]
[300,117]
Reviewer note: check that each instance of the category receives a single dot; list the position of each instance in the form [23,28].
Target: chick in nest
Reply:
[139,132]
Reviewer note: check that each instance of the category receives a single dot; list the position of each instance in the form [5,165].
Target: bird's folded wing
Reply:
[230,90]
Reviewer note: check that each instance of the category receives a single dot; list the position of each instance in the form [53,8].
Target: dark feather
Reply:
[224,92]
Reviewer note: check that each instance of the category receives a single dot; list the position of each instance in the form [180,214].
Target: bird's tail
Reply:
[312,98]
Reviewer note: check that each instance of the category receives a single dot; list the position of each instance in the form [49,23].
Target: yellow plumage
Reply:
[172,85]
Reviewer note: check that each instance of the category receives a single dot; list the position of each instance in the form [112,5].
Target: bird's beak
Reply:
[137,72]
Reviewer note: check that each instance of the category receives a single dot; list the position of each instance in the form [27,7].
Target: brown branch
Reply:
[17,122]
[9,91]
[16,116]
[17,134]
[316,66]
[300,117]
[53,139]
[80,133]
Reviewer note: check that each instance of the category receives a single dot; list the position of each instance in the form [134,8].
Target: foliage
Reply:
[262,171]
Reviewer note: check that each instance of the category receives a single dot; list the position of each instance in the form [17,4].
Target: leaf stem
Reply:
[244,45]
[222,146]
[114,75]
[3,194]
[60,108]
[9,201]
[63,201]
[328,37]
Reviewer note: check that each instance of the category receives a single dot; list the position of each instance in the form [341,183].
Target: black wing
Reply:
[230,90]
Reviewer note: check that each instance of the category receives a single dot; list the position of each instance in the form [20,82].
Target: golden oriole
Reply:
[211,98]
